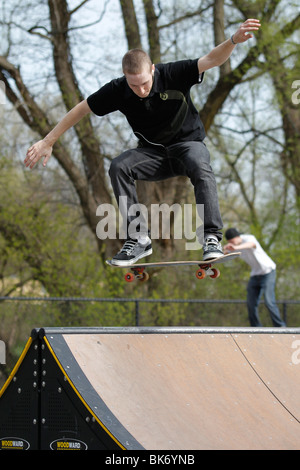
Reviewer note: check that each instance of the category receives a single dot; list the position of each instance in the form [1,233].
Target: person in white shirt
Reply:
[262,276]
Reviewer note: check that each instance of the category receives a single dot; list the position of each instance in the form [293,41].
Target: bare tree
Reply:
[89,176]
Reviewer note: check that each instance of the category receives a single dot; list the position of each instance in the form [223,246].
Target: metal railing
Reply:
[138,301]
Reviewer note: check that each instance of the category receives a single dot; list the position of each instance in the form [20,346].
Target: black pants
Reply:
[190,159]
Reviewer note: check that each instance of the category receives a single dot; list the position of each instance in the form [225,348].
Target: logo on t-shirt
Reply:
[164,96]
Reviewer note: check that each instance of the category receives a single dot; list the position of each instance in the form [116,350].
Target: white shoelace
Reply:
[128,247]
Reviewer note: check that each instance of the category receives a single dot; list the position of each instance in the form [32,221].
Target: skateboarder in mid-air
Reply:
[156,102]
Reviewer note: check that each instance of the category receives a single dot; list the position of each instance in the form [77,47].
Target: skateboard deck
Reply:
[138,270]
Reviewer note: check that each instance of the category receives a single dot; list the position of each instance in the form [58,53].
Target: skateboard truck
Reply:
[207,270]
[139,273]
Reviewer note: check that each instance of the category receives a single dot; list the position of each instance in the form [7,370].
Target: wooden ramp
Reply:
[156,388]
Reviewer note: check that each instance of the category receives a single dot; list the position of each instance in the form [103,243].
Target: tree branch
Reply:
[131,24]
[92,159]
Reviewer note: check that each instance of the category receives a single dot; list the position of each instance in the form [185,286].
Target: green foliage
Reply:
[46,248]
[47,251]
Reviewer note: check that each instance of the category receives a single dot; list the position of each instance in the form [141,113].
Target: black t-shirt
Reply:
[167,115]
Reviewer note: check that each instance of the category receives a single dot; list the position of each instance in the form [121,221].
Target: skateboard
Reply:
[205,268]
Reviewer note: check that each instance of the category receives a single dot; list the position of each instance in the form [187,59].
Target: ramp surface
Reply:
[185,388]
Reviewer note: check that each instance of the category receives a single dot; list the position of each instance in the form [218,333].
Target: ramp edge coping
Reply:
[44,331]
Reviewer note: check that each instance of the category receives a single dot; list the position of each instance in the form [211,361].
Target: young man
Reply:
[262,277]
[157,104]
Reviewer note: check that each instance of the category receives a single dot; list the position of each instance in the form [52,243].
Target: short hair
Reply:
[135,60]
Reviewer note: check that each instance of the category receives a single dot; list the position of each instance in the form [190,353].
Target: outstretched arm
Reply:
[43,148]
[222,52]
[238,247]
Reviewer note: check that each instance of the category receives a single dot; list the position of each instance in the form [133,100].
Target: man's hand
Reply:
[36,152]
[229,248]
[244,31]
[43,148]
[222,52]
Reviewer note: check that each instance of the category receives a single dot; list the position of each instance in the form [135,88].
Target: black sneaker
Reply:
[212,248]
[131,252]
